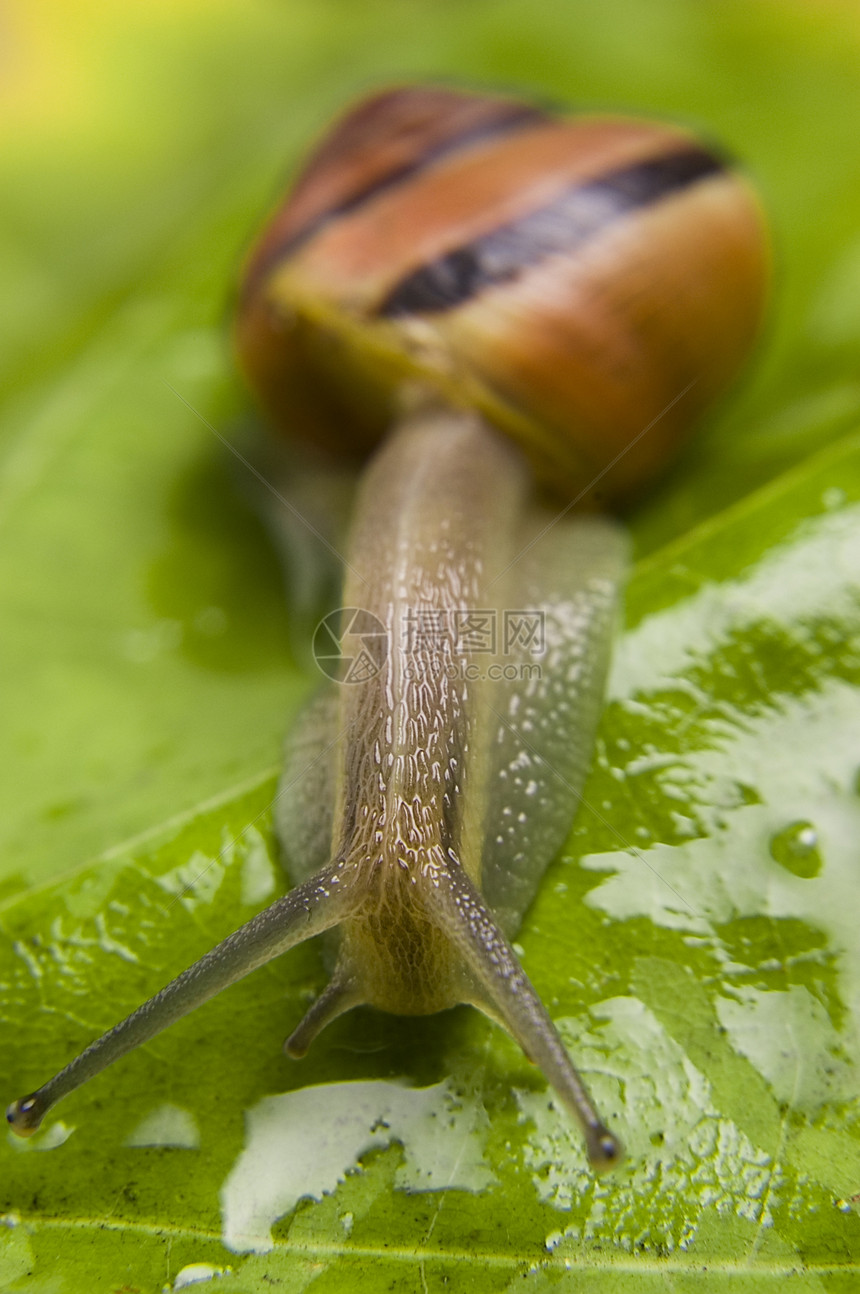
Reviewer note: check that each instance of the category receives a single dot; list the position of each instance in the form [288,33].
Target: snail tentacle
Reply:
[307,910]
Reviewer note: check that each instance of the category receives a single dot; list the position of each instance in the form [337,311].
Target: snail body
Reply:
[538,306]
[463,723]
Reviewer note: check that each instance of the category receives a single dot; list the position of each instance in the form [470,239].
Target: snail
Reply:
[501,306]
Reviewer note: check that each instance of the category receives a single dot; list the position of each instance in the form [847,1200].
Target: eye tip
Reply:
[24,1116]
[604,1149]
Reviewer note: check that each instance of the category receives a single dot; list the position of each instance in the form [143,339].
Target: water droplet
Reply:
[198,1273]
[796,849]
[833,498]
[211,622]
[141,646]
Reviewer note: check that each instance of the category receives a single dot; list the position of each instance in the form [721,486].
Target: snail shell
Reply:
[575,280]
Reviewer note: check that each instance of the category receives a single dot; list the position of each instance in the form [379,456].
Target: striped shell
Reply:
[576,280]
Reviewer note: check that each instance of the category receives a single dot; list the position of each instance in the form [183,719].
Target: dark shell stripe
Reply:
[509,118]
[565,223]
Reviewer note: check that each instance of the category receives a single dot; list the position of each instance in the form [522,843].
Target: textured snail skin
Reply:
[576,280]
[419,807]
[585,285]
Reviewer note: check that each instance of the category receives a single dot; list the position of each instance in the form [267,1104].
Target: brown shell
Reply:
[590,284]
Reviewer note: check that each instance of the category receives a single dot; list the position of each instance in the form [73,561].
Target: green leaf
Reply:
[697,941]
